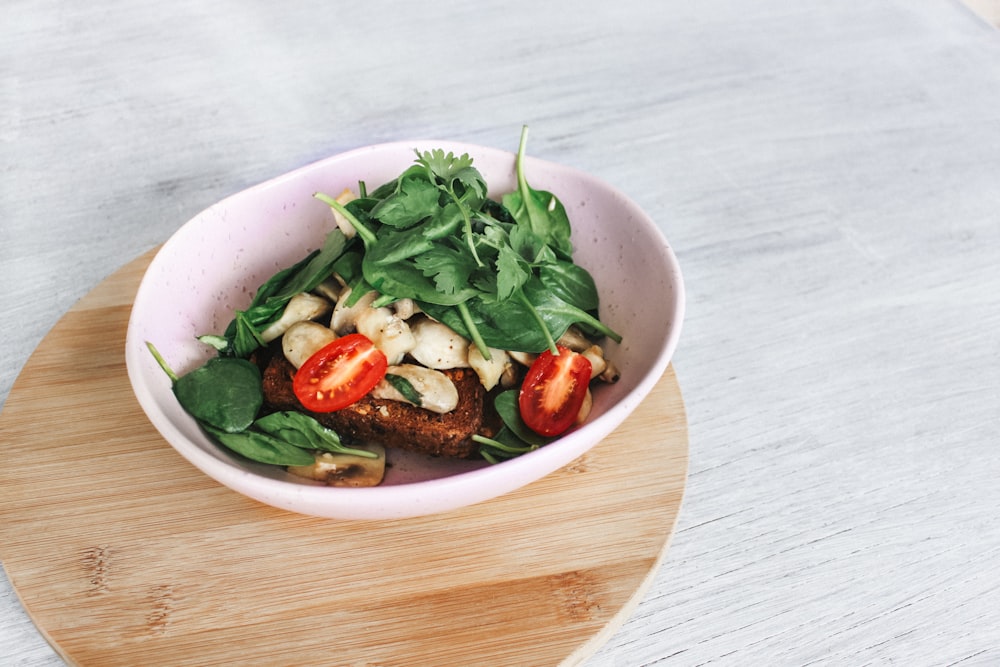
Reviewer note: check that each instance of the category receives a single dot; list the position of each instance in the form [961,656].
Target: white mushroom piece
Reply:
[300,308]
[387,331]
[574,340]
[342,223]
[438,346]
[329,289]
[523,358]
[585,407]
[601,367]
[436,390]
[304,339]
[345,469]
[405,308]
[345,317]
[492,370]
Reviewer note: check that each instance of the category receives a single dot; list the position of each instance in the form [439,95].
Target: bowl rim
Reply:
[422,496]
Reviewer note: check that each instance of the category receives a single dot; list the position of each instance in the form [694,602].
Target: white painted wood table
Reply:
[828,173]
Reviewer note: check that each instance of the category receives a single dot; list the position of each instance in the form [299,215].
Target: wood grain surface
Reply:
[125,554]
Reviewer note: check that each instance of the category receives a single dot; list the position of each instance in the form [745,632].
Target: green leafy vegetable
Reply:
[538,211]
[242,336]
[434,236]
[224,396]
[499,273]
[224,393]
[261,447]
[303,431]
[515,438]
[405,387]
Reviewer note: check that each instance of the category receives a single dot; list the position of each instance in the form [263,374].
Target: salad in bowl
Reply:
[404,329]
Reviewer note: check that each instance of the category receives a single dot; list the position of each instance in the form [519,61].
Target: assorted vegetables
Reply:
[340,373]
[494,285]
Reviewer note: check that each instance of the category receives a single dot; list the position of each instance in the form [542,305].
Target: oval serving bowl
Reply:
[214,263]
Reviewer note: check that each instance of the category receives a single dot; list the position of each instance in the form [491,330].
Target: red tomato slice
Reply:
[339,374]
[553,391]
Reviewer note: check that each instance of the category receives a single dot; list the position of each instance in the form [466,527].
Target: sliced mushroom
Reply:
[304,339]
[405,308]
[611,373]
[574,340]
[388,332]
[523,358]
[489,370]
[595,355]
[436,390]
[345,226]
[585,407]
[438,346]
[329,289]
[345,318]
[345,469]
[510,377]
[300,308]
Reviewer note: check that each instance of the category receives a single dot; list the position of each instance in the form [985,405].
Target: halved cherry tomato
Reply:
[339,374]
[553,391]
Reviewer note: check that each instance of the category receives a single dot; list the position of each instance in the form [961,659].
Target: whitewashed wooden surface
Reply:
[828,173]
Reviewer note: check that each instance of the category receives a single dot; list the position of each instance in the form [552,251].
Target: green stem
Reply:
[527,201]
[367,235]
[496,444]
[466,226]
[600,326]
[162,362]
[538,318]
[477,338]
[362,453]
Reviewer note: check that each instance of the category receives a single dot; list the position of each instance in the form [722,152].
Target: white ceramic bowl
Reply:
[215,262]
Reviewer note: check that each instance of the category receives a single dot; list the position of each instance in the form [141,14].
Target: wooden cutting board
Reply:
[125,554]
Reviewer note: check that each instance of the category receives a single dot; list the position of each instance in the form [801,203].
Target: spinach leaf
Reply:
[538,210]
[317,269]
[224,393]
[505,325]
[443,223]
[406,388]
[506,404]
[415,199]
[261,447]
[571,283]
[515,438]
[303,431]
[243,332]
[504,445]
[395,246]
[224,396]
[559,315]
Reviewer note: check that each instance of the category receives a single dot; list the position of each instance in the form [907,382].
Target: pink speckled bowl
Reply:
[215,262]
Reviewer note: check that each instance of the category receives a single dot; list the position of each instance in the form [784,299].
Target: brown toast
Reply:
[394,423]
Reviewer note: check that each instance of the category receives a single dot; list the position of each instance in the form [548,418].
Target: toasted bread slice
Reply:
[394,423]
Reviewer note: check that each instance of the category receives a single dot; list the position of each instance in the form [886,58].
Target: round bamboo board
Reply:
[124,554]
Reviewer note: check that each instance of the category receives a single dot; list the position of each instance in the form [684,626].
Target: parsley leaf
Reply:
[512,272]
